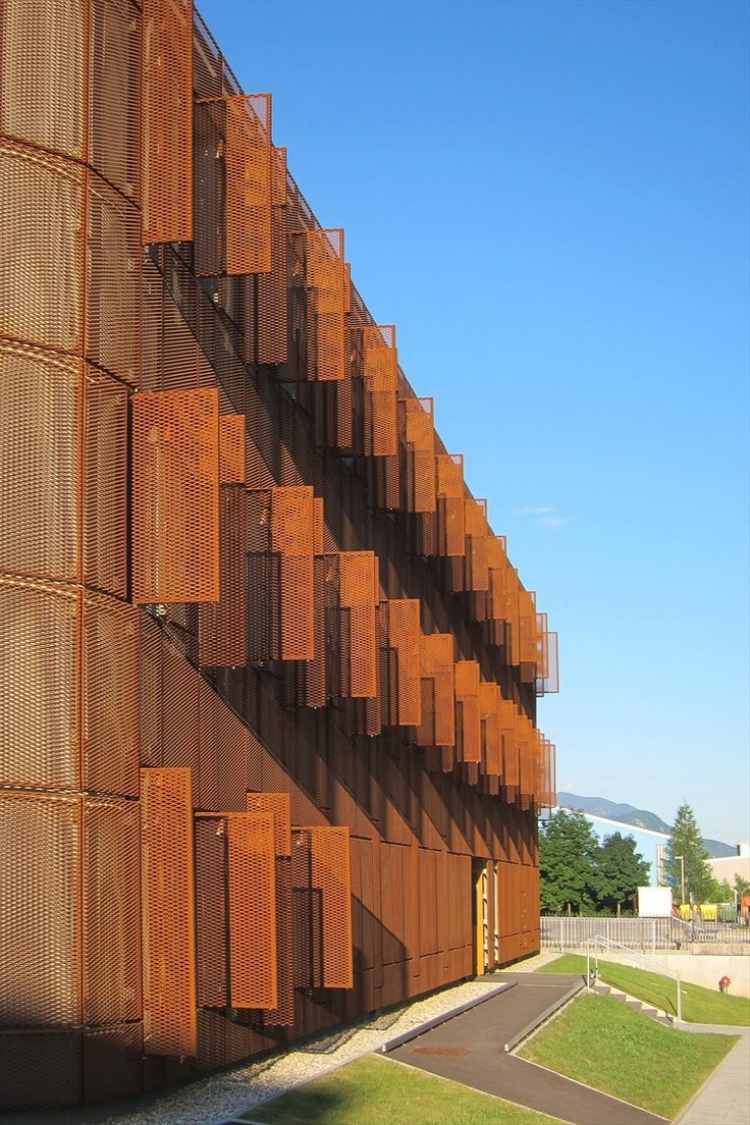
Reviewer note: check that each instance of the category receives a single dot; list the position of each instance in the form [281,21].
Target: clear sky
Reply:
[550,199]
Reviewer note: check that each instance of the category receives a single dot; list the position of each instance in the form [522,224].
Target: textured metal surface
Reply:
[252,910]
[169,971]
[176,496]
[249,183]
[167,120]
[331,876]
[319,592]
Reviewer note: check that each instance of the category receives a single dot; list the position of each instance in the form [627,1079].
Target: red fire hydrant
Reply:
[724,984]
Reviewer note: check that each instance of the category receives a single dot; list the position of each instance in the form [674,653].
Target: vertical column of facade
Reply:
[70,971]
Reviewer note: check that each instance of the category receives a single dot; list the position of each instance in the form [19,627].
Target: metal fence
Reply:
[568,932]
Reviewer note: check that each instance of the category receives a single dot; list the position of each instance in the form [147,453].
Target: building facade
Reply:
[268,745]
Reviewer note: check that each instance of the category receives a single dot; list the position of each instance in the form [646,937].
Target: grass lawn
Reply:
[373,1090]
[597,1040]
[699,1005]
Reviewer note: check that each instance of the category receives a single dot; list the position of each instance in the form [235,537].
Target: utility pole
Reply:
[682,878]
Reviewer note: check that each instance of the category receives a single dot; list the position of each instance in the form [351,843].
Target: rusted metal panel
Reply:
[110,744]
[41,231]
[438,727]
[232,449]
[111,912]
[40,678]
[167,120]
[279,805]
[105,470]
[222,625]
[249,183]
[176,496]
[40,914]
[403,635]
[292,539]
[41,407]
[211,912]
[331,874]
[359,595]
[252,910]
[272,287]
[168,888]
[327,278]
[468,710]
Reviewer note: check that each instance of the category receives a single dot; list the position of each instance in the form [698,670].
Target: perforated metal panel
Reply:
[331,875]
[39,685]
[169,975]
[380,373]
[252,910]
[167,120]
[42,47]
[278,804]
[249,183]
[292,538]
[40,921]
[438,726]
[41,232]
[222,625]
[232,448]
[110,750]
[327,277]
[112,912]
[404,638]
[176,496]
[358,594]
[469,742]
[272,288]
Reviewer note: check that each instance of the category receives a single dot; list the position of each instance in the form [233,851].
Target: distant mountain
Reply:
[636,818]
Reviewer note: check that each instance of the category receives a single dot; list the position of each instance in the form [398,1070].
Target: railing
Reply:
[571,932]
[648,965]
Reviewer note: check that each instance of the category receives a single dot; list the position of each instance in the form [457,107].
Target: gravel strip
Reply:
[220,1098]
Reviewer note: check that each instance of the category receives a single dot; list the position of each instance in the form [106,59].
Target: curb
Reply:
[544,1015]
[428,1025]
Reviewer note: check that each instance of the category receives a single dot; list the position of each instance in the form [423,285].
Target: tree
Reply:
[741,886]
[620,870]
[686,841]
[567,863]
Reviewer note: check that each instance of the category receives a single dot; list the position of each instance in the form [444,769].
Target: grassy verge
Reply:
[597,1040]
[372,1091]
[699,1005]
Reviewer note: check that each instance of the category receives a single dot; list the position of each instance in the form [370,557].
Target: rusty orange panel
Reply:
[318,527]
[467,695]
[404,638]
[41,232]
[222,625]
[327,275]
[176,496]
[359,596]
[168,890]
[419,435]
[252,910]
[293,520]
[437,668]
[167,120]
[273,298]
[232,449]
[249,183]
[279,805]
[331,875]
[43,52]
[380,373]
[489,705]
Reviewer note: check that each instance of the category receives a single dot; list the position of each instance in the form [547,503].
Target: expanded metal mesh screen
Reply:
[243,588]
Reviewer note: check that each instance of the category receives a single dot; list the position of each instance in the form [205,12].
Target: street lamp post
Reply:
[682,878]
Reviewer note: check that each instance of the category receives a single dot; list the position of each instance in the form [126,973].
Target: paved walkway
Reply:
[725,1097]
[471,1049]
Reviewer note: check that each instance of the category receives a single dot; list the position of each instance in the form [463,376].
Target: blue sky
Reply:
[550,200]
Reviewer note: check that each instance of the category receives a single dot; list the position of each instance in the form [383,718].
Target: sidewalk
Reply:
[725,1097]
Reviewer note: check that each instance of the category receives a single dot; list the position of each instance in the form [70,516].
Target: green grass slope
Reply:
[699,1005]
[597,1040]
[372,1091]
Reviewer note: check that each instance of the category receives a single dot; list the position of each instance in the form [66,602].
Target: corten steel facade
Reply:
[268,754]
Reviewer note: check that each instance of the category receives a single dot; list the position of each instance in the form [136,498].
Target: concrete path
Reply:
[471,1049]
[724,1099]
